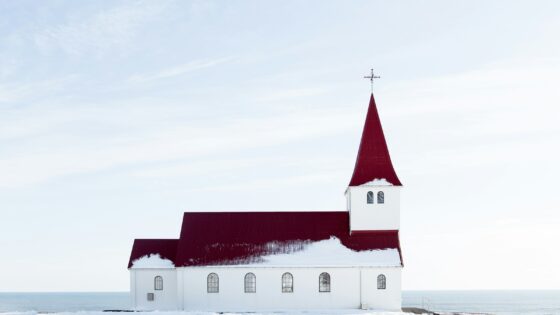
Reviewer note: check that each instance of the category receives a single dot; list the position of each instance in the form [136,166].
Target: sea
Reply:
[517,302]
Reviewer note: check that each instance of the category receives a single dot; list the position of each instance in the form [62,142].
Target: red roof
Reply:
[373,159]
[226,238]
[166,248]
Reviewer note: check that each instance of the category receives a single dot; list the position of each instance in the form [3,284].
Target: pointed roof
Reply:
[373,159]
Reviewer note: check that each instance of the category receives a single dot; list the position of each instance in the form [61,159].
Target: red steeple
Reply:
[373,159]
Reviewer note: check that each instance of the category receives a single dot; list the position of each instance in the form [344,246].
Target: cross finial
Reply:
[371,77]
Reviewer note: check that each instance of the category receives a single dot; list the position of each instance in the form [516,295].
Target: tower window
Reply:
[324,282]
[250,283]
[370,197]
[380,197]
[287,283]
[213,283]
[381,282]
[158,283]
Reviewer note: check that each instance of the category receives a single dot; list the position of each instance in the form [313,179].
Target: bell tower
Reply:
[373,194]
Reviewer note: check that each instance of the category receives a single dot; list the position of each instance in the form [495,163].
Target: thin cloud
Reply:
[303,180]
[287,94]
[180,69]
[100,33]
[14,92]
[158,144]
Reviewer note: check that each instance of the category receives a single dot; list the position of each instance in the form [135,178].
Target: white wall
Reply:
[348,287]
[185,288]
[142,283]
[367,217]
[388,299]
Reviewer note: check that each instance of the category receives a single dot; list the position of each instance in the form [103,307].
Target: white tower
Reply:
[373,195]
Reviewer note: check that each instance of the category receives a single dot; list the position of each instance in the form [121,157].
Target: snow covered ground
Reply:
[309,312]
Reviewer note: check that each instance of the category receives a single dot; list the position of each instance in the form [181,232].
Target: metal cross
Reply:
[371,77]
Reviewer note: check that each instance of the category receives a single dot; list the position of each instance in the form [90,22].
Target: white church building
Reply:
[267,261]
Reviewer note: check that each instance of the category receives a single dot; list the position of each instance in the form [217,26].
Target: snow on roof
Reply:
[330,252]
[378,182]
[165,248]
[236,238]
[152,261]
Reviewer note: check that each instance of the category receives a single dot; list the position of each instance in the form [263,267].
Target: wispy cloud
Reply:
[11,92]
[303,180]
[180,69]
[286,94]
[507,84]
[100,33]
[157,142]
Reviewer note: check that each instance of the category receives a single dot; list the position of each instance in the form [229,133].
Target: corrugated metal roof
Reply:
[228,238]
[373,160]
[166,248]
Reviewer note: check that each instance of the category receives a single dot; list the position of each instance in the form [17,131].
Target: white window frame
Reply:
[380,197]
[370,197]
[158,283]
[381,282]
[287,283]
[324,282]
[250,281]
[212,283]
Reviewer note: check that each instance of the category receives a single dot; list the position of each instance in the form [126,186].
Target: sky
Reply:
[118,116]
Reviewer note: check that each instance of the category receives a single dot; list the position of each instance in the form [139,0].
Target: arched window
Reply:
[324,282]
[250,283]
[158,283]
[213,283]
[370,197]
[381,282]
[287,283]
[380,197]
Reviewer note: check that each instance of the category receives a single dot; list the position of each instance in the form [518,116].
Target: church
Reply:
[268,261]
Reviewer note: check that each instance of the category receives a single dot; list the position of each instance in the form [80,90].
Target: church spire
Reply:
[373,160]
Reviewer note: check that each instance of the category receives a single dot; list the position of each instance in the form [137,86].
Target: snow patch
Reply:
[378,182]
[285,312]
[330,252]
[152,261]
